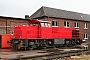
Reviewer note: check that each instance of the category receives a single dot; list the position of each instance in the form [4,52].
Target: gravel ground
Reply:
[81,57]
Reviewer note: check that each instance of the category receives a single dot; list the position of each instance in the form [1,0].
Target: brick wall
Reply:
[9,23]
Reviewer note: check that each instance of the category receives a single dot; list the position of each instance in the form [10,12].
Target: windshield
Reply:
[34,24]
[45,24]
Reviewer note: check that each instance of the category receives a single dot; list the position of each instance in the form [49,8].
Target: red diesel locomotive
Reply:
[39,34]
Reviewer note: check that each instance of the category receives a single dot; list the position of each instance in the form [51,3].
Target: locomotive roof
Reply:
[31,21]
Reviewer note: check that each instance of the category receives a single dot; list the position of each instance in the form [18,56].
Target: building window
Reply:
[76,25]
[85,26]
[66,24]
[85,36]
[55,23]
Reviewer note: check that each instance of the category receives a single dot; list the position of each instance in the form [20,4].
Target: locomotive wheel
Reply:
[19,45]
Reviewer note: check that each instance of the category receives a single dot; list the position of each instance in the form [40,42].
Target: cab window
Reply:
[34,24]
[45,24]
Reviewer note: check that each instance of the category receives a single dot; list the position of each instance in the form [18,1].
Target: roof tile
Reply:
[58,13]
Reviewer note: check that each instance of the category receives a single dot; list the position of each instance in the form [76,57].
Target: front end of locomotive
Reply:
[23,35]
[16,42]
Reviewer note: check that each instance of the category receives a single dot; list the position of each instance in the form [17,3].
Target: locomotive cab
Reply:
[42,27]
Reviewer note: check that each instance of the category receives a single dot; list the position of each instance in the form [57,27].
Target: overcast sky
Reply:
[20,8]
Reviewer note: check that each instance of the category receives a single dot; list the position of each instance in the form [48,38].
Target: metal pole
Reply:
[6,26]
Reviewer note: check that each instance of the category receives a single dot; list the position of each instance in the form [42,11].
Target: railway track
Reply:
[53,54]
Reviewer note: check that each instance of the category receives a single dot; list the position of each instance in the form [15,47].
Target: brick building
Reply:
[66,19]
[7,24]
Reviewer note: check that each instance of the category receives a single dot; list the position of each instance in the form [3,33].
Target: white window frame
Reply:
[85,36]
[55,23]
[85,26]
[76,25]
[66,23]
